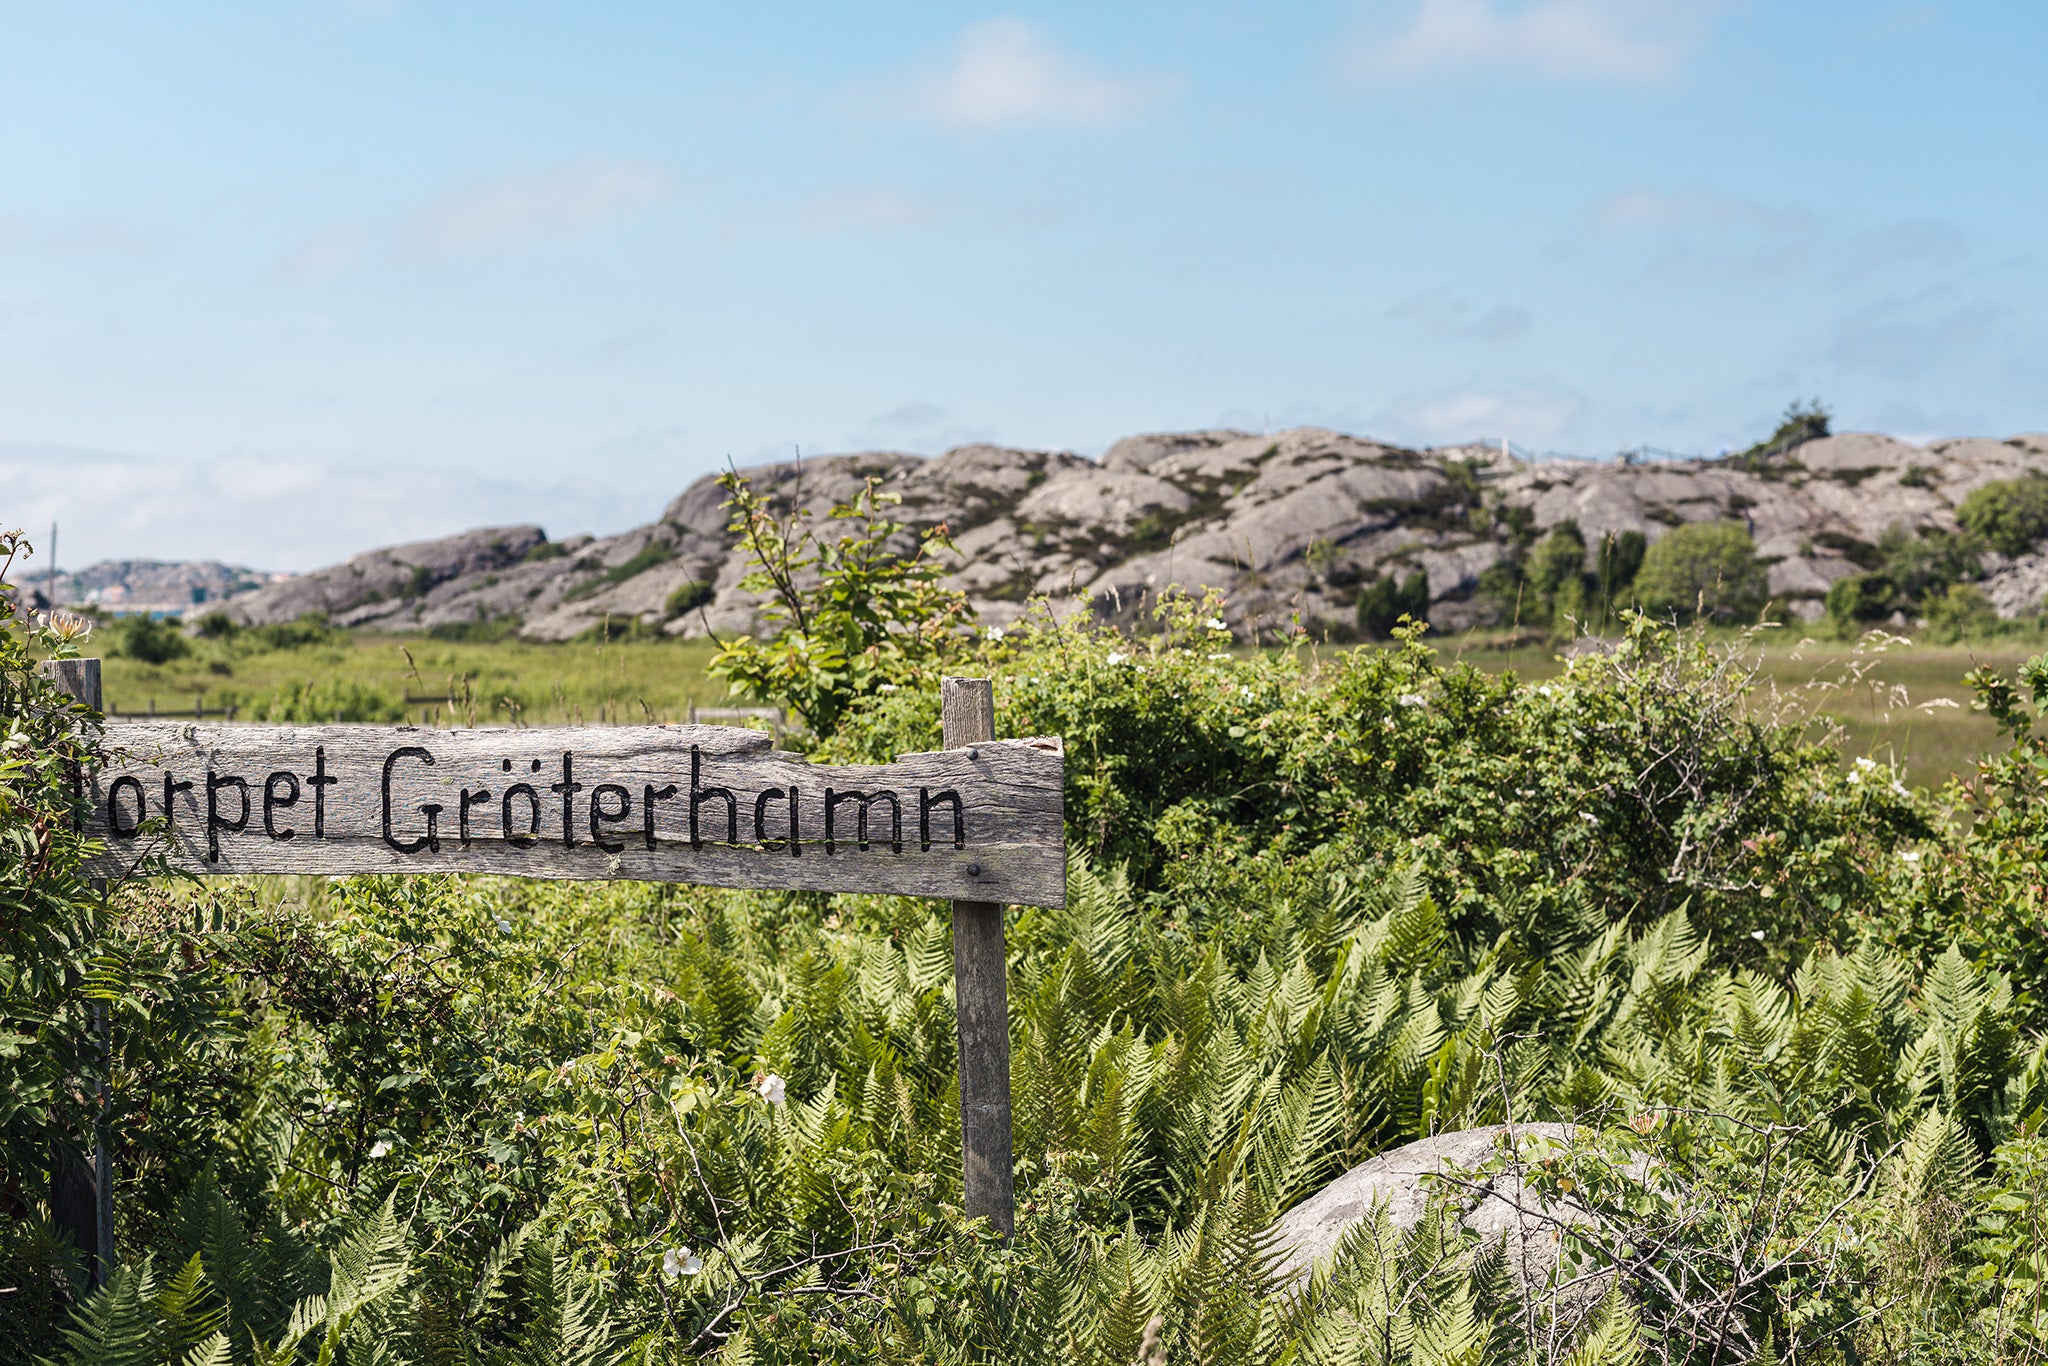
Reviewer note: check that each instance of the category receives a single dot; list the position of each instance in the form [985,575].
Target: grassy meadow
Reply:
[1896,699]
[506,682]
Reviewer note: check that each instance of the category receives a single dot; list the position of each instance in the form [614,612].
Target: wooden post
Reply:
[980,979]
[80,678]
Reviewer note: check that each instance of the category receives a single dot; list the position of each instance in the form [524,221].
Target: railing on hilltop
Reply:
[1630,455]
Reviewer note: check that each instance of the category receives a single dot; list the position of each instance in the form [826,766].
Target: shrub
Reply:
[309,628]
[645,558]
[151,640]
[1385,602]
[1961,612]
[546,550]
[218,626]
[324,701]
[1858,599]
[483,631]
[1709,568]
[850,615]
[1619,561]
[2010,516]
[688,596]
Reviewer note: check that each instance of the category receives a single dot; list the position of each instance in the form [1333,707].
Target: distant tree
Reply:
[1704,568]
[2010,516]
[1859,599]
[1803,421]
[1620,559]
[1386,600]
[151,640]
[1557,573]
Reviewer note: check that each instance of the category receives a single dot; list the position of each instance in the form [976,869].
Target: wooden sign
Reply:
[705,804]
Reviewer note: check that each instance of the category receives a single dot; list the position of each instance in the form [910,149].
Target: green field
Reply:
[462,683]
[1896,700]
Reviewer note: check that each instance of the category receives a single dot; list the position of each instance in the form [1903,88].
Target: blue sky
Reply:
[281,282]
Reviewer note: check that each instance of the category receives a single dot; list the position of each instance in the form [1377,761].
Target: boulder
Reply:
[1501,1208]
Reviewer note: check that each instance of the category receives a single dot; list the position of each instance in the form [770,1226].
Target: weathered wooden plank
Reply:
[708,804]
[967,710]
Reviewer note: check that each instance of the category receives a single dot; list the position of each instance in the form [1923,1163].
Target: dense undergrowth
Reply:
[1314,913]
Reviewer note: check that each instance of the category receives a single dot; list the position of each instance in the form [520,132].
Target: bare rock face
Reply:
[1290,527]
[381,587]
[1502,1209]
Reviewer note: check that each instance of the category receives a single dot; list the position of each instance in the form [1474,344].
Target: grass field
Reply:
[500,683]
[1896,700]
[1903,700]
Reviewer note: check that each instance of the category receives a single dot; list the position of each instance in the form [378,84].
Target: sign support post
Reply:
[80,678]
[979,823]
[982,998]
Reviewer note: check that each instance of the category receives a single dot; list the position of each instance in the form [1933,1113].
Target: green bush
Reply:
[318,701]
[687,597]
[2010,516]
[1385,602]
[309,628]
[645,558]
[1704,568]
[1858,599]
[150,639]
[1962,612]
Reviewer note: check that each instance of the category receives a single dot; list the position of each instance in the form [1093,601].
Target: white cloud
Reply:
[1005,72]
[564,201]
[1636,42]
[1527,416]
[1444,312]
[279,513]
[860,208]
[1703,231]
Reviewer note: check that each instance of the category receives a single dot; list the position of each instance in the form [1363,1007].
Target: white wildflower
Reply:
[995,633]
[1910,855]
[381,1148]
[1217,624]
[1589,817]
[1757,935]
[67,625]
[680,1261]
[1219,656]
[1116,657]
[504,925]
[1410,699]
[772,1088]
[888,687]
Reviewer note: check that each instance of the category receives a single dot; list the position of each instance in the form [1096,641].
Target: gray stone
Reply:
[1310,1232]
[1285,526]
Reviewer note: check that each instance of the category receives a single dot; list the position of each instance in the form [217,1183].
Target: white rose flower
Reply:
[680,1261]
[381,1148]
[1218,624]
[995,633]
[1116,657]
[773,1089]
[1410,699]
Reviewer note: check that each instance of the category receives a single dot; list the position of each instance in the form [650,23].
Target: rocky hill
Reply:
[151,585]
[1287,526]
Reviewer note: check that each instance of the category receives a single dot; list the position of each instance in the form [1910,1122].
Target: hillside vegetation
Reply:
[1320,903]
